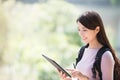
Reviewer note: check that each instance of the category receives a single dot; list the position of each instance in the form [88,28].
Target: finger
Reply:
[70,70]
[58,70]
[63,76]
[76,74]
[60,73]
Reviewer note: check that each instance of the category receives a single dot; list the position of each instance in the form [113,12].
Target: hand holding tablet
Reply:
[56,65]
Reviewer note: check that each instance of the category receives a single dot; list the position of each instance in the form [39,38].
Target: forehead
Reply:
[80,25]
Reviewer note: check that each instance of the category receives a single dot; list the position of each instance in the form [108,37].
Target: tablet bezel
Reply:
[55,64]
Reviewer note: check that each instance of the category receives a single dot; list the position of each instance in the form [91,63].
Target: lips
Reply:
[84,38]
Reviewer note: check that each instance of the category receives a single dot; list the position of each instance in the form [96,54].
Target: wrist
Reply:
[83,78]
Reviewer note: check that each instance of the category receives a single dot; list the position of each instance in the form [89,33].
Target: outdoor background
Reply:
[30,28]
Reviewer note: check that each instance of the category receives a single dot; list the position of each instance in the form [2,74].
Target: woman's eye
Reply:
[84,30]
[78,29]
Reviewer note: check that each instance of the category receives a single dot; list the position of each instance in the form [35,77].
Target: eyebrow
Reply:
[82,27]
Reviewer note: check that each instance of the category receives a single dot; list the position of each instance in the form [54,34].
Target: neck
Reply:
[95,44]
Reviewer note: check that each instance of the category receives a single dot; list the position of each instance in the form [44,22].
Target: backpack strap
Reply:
[80,54]
[97,63]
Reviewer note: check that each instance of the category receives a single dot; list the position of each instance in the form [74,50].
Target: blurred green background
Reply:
[29,28]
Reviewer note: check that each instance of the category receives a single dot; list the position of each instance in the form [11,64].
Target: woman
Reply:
[91,31]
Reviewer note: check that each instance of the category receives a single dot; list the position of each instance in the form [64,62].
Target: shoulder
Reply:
[107,66]
[107,57]
[107,54]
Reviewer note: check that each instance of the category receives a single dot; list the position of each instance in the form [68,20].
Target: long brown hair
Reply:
[91,19]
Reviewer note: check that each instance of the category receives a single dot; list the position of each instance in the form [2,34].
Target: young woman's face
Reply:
[87,35]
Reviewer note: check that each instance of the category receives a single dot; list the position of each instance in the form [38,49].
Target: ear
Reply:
[97,29]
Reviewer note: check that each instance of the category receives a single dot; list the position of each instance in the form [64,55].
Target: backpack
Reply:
[97,64]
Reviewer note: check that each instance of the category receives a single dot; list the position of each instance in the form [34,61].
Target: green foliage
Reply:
[3,34]
[44,75]
[46,28]
[40,28]
[115,2]
[74,38]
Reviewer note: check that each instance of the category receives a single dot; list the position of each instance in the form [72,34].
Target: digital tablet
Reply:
[55,64]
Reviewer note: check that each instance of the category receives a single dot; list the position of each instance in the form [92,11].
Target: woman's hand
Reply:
[63,76]
[77,74]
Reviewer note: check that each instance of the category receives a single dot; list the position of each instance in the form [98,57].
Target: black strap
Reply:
[80,54]
[97,63]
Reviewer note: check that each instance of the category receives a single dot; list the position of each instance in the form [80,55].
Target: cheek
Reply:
[82,35]
[92,37]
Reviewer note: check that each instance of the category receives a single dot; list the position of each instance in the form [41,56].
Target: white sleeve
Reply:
[107,66]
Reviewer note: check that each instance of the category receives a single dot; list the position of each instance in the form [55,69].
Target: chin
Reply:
[86,42]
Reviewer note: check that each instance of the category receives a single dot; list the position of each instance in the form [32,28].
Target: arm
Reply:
[77,74]
[107,66]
